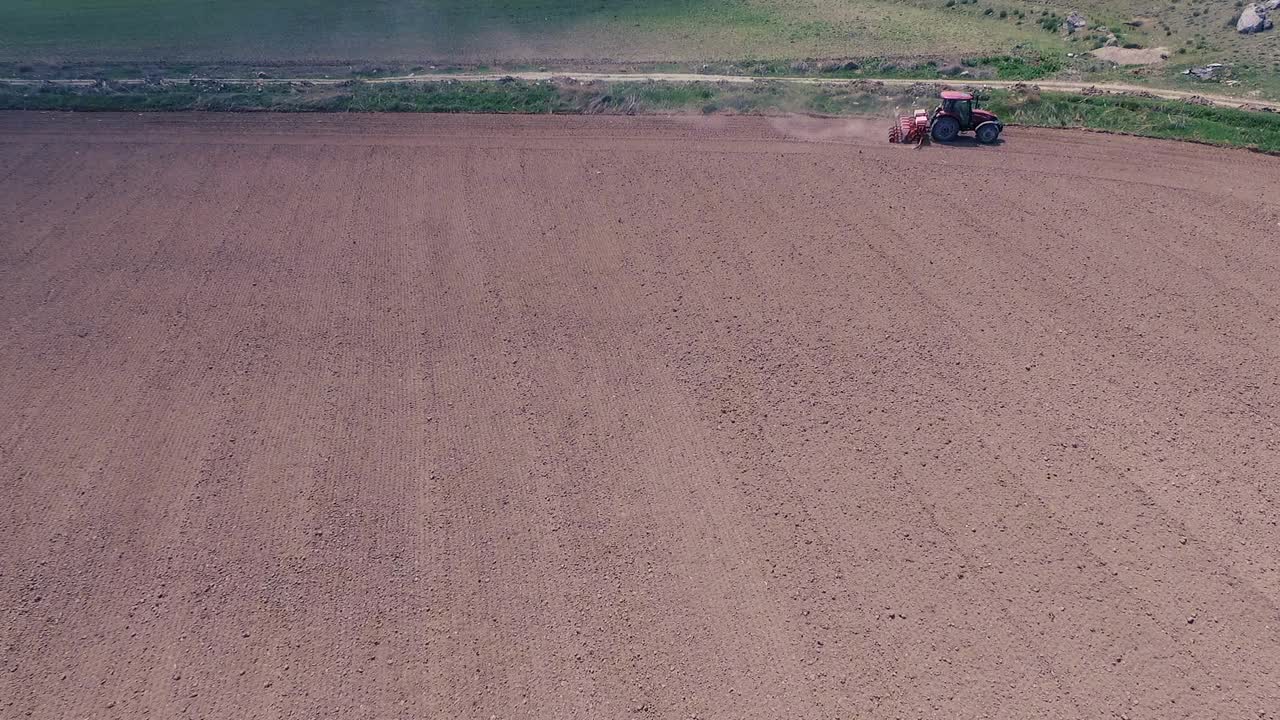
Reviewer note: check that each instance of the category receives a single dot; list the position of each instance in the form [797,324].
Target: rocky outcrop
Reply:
[1253,19]
[1210,72]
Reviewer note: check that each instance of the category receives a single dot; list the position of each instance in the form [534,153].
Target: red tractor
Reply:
[958,113]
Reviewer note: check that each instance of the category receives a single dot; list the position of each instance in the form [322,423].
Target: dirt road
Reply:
[1050,85]
[1066,86]
[472,417]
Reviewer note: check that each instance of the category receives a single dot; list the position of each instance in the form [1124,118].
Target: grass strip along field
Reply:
[1142,116]
[934,41]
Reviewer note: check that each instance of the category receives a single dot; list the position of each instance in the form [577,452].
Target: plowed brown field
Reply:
[497,417]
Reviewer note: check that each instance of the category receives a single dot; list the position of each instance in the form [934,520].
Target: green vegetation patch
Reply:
[317,32]
[1147,117]
[1023,106]
[1019,67]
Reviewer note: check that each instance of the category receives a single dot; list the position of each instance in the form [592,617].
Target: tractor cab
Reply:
[959,106]
[959,113]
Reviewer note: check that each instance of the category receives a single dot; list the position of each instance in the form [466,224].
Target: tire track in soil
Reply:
[1220,400]
[14,165]
[823,512]
[595,367]
[100,174]
[44,398]
[489,494]
[97,516]
[1034,511]
[1199,409]
[245,517]
[731,354]
[586,417]
[348,549]
[40,161]
[1128,508]
[38,275]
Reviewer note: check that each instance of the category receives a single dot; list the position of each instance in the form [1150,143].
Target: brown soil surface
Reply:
[497,417]
[1132,56]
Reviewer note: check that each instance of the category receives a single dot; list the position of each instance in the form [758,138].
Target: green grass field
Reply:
[321,31]
[114,38]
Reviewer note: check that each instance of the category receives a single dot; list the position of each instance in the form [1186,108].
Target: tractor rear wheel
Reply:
[988,133]
[945,129]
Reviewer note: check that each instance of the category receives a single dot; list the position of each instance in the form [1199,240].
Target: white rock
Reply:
[1253,20]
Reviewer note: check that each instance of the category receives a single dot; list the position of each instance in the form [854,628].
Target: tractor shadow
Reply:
[965,141]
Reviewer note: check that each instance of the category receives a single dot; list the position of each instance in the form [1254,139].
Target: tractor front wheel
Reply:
[988,133]
[945,129]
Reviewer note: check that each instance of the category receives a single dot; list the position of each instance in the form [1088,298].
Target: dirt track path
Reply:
[528,417]
[1052,85]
